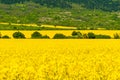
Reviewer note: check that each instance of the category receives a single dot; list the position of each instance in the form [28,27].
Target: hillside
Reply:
[74,13]
[108,5]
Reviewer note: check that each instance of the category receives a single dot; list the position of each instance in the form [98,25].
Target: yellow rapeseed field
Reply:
[72,59]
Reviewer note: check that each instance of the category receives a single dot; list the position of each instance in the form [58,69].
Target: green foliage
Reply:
[85,36]
[0,35]
[5,37]
[74,33]
[77,34]
[18,35]
[48,3]
[91,35]
[106,5]
[59,36]
[100,36]
[72,37]
[116,36]
[45,37]
[36,35]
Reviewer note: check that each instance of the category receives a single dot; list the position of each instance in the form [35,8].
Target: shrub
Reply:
[85,36]
[102,36]
[59,36]
[46,37]
[5,37]
[72,37]
[116,36]
[0,35]
[91,35]
[18,35]
[77,34]
[74,33]
[36,35]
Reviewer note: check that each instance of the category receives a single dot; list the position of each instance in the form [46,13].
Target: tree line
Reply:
[48,3]
[106,5]
[74,35]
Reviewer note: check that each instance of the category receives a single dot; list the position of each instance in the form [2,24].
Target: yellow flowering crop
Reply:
[52,59]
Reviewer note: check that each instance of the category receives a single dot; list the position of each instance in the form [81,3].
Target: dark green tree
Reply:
[91,35]
[5,37]
[59,36]
[74,33]
[18,35]
[45,37]
[116,36]
[36,35]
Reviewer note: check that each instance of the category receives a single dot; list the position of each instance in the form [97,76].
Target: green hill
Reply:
[82,14]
